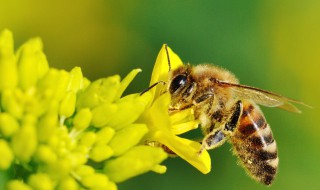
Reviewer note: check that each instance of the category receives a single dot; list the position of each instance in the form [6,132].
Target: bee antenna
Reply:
[152,86]
[166,48]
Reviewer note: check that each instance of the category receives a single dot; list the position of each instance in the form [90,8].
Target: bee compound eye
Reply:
[178,82]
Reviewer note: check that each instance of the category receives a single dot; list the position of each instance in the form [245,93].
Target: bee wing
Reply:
[263,97]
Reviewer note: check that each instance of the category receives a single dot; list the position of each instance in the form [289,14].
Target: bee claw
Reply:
[200,151]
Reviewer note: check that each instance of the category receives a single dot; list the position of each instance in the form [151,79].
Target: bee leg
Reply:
[235,117]
[213,140]
[219,135]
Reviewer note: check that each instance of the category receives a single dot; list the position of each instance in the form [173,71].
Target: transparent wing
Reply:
[263,97]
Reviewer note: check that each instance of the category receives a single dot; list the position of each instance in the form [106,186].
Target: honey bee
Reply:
[229,111]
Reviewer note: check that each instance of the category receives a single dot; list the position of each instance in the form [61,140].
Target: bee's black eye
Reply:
[178,82]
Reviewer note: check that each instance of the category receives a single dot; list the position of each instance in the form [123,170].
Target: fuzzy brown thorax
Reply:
[194,86]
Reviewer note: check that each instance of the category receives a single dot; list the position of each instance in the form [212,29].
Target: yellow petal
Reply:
[161,67]
[157,119]
[126,81]
[183,121]
[186,149]
[182,116]
[184,127]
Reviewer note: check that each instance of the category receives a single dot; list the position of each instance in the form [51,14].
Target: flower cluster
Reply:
[58,130]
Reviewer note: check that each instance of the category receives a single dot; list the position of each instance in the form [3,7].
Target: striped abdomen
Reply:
[254,144]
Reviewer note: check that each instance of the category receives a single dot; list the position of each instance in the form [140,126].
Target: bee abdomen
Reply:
[254,144]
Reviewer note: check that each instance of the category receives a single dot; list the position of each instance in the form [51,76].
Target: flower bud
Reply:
[127,137]
[68,184]
[59,169]
[45,154]
[123,112]
[84,170]
[24,142]
[47,125]
[100,153]
[6,155]
[76,80]
[159,169]
[32,63]
[95,180]
[10,103]
[82,119]
[8,65]
[88,139]
[17,185]
[40,181]
[8,125]
[99,92]
[139,159]
[67,106]
[104,135]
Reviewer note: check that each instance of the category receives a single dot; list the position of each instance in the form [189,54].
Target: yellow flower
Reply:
[164,128]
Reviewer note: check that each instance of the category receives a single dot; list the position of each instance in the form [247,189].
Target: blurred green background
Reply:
[274,45]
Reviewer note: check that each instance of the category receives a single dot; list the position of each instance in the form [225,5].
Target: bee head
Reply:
[181,86]
[178,82]
[179,79]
